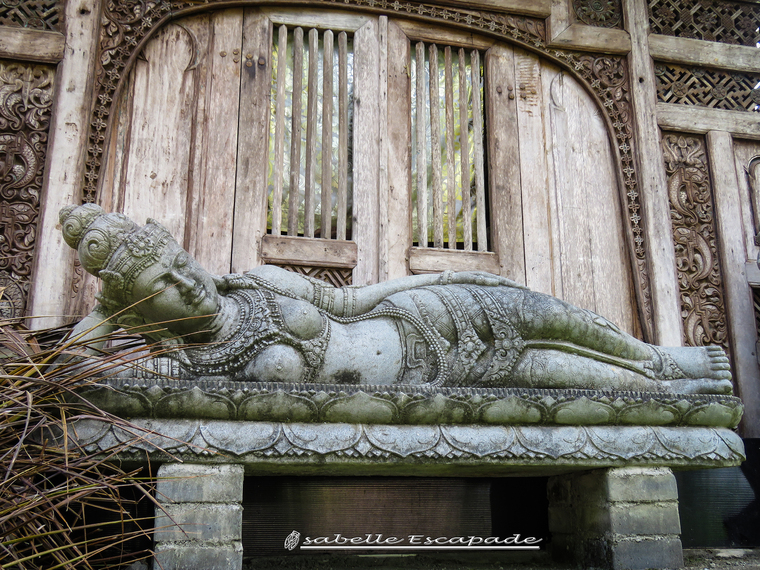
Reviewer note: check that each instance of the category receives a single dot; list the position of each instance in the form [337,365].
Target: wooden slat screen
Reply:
[310,186]
[448,184]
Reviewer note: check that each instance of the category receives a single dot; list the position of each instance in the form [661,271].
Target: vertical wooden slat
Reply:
[503,167]
[536,209]
[155,180]
[435,146]
[451,179]
[383,191]
[365,172]
[477,135]
[342,134]
[327,143]
[211,202]
[311,135]
[421,144]
[399,152]
[279,129]
[295,133]
[250,222]
[464,122]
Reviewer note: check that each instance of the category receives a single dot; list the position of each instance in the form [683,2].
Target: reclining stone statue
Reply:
[451,329]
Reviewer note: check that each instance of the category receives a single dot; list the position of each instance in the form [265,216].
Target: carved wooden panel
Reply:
[25,99]
[711,20]
[704,87]
[35,14]
[600,13]
[694,237]
[335,276]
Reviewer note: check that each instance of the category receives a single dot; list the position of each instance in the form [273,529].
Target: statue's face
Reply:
[177,292]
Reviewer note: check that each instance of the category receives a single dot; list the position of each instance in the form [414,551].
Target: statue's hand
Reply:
[482,278]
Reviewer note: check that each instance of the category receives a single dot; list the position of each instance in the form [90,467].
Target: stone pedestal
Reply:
[199,521]
[602,514]
[622,518]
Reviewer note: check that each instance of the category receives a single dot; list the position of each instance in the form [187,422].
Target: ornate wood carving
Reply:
[711,20]
[127,25]
[335,276]
[708,87]
[600,13]
[691,213]
[25,99]
[35,14]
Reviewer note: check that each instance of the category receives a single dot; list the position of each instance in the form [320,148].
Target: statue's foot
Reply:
[699,386]
[700,369]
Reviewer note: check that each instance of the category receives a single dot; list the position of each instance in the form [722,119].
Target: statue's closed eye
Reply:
[181,260]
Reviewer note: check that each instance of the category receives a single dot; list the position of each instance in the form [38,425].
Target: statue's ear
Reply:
[112,280]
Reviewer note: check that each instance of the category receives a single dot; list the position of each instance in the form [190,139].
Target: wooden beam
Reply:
[540,8]
[31,45]
[591,38]
[308,251]
[429,260]
[686,51]
[693,119]
[425,32]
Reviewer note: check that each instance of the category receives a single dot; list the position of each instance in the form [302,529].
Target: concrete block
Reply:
[644,519]
[193,483]
[636,484]
[562,519]
[644,554]
[191,557]
[199,522]
[590,487]
[558,489]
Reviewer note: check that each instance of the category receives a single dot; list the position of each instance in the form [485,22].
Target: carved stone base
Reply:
[450,450]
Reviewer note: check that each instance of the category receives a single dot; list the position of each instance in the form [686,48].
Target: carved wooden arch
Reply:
[127,25]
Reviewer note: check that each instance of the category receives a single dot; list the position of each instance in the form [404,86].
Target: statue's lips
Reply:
[197,296]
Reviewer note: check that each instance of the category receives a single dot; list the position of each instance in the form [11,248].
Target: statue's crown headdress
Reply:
[112,247]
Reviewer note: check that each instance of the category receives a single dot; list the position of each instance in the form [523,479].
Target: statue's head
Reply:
[141,266]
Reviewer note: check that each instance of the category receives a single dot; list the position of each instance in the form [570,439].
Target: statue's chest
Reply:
[264,319]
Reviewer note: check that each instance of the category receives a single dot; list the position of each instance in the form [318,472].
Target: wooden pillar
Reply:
[653,181]
[51,292]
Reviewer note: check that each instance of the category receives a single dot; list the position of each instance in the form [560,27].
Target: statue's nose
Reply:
[183,282]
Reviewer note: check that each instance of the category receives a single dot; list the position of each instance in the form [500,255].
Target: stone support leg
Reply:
[620,518]
[199,522]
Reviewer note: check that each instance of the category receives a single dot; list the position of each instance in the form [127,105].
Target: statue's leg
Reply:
[547,318]
[549,323]
[542,367]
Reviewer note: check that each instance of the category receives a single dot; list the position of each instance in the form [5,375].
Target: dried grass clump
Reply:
[60,505]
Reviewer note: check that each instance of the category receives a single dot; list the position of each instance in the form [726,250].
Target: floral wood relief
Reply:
[127,24]
[710,20]
[25,100]
[694,237]
[600,13]
[718,89]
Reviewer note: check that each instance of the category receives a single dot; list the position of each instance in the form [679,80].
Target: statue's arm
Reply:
[356,300]
[90,334]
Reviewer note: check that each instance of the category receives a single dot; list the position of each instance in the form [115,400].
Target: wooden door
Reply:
[196,146]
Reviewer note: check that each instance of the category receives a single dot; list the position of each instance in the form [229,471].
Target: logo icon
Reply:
[292,540]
